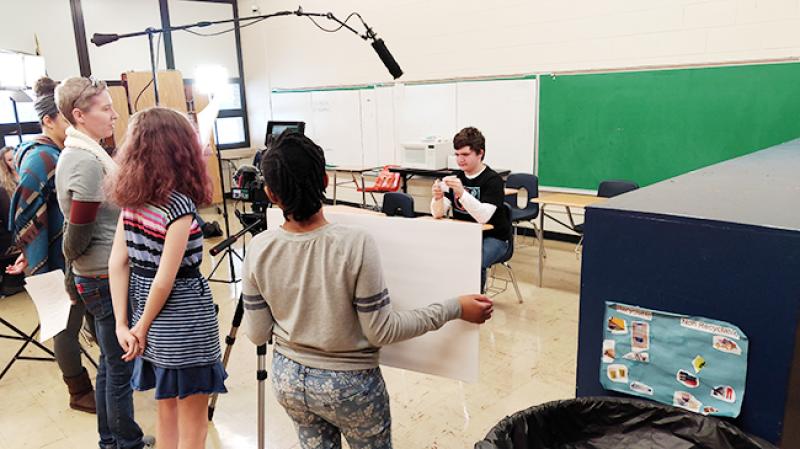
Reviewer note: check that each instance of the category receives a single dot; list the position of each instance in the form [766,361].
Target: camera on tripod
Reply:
[249,188]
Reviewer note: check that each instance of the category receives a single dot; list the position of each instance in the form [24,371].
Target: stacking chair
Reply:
[492,287]
[529,213]
[606,189]
[398,203]
[385,182]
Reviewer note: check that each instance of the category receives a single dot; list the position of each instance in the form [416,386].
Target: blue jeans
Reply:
[492,251]
[113,392]
[324,404]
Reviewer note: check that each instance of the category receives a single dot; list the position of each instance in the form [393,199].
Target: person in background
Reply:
[37,224]
[9,179]
[476,193]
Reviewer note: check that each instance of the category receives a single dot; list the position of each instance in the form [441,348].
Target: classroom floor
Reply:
[527,357]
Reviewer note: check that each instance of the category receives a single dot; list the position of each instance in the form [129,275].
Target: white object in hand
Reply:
[445,188]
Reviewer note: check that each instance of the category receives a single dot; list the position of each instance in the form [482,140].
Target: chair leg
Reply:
[539,233]
[513,280]
[579,248]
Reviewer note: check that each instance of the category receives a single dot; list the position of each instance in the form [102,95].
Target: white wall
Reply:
[110,61]
[191,50]
[465,38]
[57,38]
[256,75]
[55,33]
[458,38]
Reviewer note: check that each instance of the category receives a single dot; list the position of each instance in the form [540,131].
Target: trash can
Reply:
[615,423]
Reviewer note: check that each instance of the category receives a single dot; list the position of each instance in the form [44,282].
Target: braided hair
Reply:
[294,171]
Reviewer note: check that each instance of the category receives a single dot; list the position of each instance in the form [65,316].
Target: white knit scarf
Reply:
[78,141]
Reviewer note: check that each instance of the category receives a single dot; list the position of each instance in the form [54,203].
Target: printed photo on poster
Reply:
[726,344]
[688,379]
[641,388]
[698,363]
[617,326]
[724,393]
[609,353]
[641,357]
[684,399]
[640,336]
[618,373]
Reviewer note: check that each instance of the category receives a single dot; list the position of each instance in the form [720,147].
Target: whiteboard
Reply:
[422,111]
[294,106]
[333,120]
[384,115]
[505,112]
[336,116]
[367,127]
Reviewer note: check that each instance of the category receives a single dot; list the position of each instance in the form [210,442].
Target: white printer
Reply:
[429,153]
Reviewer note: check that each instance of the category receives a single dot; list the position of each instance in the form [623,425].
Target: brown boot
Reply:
[81,393]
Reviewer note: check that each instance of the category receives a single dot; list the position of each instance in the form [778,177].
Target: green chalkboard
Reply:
[650,126]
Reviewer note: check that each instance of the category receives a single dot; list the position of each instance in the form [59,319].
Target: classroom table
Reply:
[509,191]
[407,173]
[352,170]
[567,200]
[356,210]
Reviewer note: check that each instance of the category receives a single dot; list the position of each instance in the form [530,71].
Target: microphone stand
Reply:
[100,39]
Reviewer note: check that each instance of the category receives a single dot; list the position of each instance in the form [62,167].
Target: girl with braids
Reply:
[155,267]
[37,223]
[318,289]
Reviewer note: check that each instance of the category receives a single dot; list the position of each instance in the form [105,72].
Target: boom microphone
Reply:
[387,58]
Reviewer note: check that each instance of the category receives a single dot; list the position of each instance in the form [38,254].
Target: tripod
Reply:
[230,339]
[28,339]
[229,251]
[261,372]
[31,339]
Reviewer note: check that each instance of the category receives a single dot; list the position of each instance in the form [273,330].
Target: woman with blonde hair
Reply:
[8,172]
[89,232]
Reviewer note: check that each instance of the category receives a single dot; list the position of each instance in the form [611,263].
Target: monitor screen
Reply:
[276,128]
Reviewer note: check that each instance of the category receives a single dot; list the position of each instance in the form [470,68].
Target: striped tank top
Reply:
[185,333]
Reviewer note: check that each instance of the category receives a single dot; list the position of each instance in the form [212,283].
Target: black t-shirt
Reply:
[488,187]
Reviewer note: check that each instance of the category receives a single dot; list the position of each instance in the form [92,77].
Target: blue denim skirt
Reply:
[178,382]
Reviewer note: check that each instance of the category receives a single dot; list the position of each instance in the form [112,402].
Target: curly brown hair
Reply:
[472,138]
[161,154]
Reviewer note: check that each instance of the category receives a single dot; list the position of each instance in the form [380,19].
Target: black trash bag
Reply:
[615,423]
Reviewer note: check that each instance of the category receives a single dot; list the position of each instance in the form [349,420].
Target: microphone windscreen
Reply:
[387,58]
[102,39]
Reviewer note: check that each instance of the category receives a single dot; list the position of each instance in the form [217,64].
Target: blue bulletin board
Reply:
[695,363]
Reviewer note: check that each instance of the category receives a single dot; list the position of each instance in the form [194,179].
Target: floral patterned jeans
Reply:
[326,404]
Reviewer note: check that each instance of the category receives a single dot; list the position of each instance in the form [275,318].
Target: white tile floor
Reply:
[528,354]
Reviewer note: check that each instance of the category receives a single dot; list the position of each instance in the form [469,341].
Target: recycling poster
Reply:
[695,363]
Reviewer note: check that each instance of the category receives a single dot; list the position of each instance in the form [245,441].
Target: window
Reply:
[28,120]
[231,125]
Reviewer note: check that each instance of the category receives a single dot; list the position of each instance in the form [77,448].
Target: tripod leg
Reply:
[229,341]
[261,375]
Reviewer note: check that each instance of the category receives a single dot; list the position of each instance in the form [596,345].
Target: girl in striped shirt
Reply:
[154,273]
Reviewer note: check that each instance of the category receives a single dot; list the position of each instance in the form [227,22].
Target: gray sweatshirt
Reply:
[322,296]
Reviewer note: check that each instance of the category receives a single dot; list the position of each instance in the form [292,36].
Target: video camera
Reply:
[249,188]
